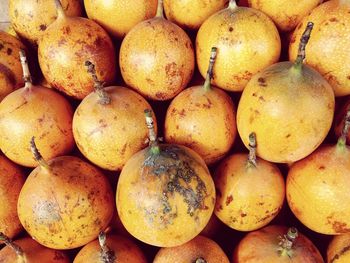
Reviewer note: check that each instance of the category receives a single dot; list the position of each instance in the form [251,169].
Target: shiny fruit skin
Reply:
[261,247]
[285,13]
[125,251]
[67,207]
[247,42]
[30,18]
[38,112]
[198,247]
[339,249]
[318,190]
[63,50]
[157,59]
[236,204]
[329,44]
[190,14]
[190,119]
[290,113]
[11,181]
[118,17]
[167,199]
[108,135]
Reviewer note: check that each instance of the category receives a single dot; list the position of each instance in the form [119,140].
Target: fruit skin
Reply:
[66,207]
[30,18]
[34,253]
[157,59]
[198,247]
[236,204]
[247,42]
[338,249]
[125,250]
[291,112]
[191,116]
[167,199]
[261,246]
[118,17]
[190,14]
[329,44]
[11,181]
[108,135]
[285,13]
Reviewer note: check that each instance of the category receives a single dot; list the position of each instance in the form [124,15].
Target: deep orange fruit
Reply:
[339,249]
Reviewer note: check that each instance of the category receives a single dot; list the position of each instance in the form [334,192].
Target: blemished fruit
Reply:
[165,194]
[198,250]
[190,14]
[318,187]
[276,244]
[236,204]
[30,18]
[328,48]
[247,41]
[11,181]
[289,106]
[156,58]
[67,43]
[118,17]
[339,249]
[110,249]
[65,202]
[285,13]
[191,114]
[35,111]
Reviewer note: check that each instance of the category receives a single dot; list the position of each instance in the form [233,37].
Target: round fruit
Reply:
[247,42]
[193,111]
[339,249]
[198,250]
[66,45]
[119,17]
[289,106]
[65,202]
[165,194]
[276,244]
[329,44]
[157,58]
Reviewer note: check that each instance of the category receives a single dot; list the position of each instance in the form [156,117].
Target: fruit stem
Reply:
[160,9]
[200,260]
[302,45]
[107,255]
[153,140]
[252,150]
[26,73]
[232,5]
[207,85]
[18,250]
[287,241]
[37,155]
[104,99]
[342,139]
[59,8]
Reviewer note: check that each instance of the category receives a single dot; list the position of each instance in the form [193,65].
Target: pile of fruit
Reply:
[175,131]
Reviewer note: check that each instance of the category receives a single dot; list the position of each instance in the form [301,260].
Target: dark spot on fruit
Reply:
[229,199]
[66,30]
[342,252]
[288,135]
[1,46]
[150,81]
[182,113]
[340,227]
[262,82]
[333,19]
[176,39]
[177,127]
[243,214]
[254,94]
[348,77]
[122,151]
[269,215]
[261,203]
[321,167]
[230,29]
[42,27]
[161,95]
[261,98]
[9,51]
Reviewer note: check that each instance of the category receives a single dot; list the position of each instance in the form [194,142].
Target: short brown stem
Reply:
[302,45]
[37,155]
[160,9]
[287,242]
[107,255]
[252,150]
[59,8]
[209,76]
[153,140]
[18,250]
[200,260]
[26,73]
[345,131]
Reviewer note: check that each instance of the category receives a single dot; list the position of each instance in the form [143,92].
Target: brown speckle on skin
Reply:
[243,214]
[230,29]
[9,51]
[321,167]
[341,252]
[262,82]
[42,27]
[229,199]
[348,77]
[333,19]
[288,135]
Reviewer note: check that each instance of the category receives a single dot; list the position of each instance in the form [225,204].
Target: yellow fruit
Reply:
[339,249]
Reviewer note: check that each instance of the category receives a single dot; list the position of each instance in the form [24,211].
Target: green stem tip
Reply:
[153,140]
[345,130]
[209,76]
[287,241]
[302,45]
[252,150]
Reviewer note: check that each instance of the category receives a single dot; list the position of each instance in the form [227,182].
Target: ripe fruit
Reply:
[157,58]
[191,114]
[106,125]
[66,45]
[289,106]
[30,18]
[329,45]
[119,17]
[276,244]
[318,187]
[247,41]
[165,194]
[339,249]
[198,250]
[35,111]
[65,202]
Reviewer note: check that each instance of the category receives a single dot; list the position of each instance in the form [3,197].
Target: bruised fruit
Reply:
[157,58]
[65,202]
[289,106]
[247,42]
[35,111]
[193,112]
[165,194]
[67,43]
[339,249]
